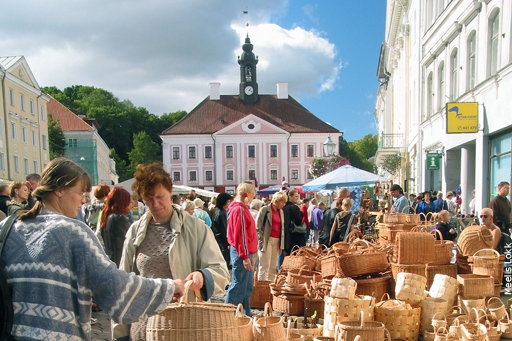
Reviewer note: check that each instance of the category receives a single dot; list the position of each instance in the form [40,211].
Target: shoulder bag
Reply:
[298,229]
[6,308]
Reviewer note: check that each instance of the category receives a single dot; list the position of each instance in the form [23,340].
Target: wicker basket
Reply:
[439,321]
[268,327]
[414,248]
[401,320]
[363,262]
[486,262]
[330,265]
[260,293]
[244,324]
[288,304]
[367,330]
[432,270]
[298,258]
[186,321]
[496,308]
[443,250]
[429,307]
[462,262]
[506,327]
[303,275]
[445,287]
[474,238]
[314,304]
[376,286]
[468,304]
[342,309]
[410,287]
[411,218]
[343,287]
[418,269]
[476,285]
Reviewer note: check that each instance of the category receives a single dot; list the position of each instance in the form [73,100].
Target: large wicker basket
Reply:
[367,330]
[403,321]
[432,270]
[443,250]
[414,248]
[474,238]
[363,262]
[376,285]
[486,262]
[244,324]
[268,327]
[260,293]
[298,258]
[200,321]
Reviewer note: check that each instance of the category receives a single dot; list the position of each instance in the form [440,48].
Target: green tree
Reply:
[144,150]
[121,168]
[359,151]
[56,139]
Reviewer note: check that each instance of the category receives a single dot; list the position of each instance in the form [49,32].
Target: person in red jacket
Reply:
[244,245]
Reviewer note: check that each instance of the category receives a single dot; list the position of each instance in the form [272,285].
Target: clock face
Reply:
[249,90]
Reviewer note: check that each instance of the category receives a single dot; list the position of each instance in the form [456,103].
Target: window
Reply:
[25,163]
[191,152]
[440,87]
[440,7]
[430,13]
[72,143]
[229,175]
[208,152]
[252,174]
[295,174]
[192,176]
[308,175]
[430,96]
[36,167]
[494,35]
[454,69]
[273,174]
[16,164]
[209,176]
[41,111]
[273,150]
[295,150]
[229,152]
[14,131]
[252,152]
[44,142]
[310,150]
[24,136]
[176,176]
[22,102]
[11,97]
[175,153]
[34,139]
[32,107]
[471,81]
[2,162]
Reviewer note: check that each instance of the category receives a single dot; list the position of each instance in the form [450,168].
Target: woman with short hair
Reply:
[19,193]
[220,224]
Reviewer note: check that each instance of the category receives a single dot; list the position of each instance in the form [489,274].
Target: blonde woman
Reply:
[244,245]
[270,224]
[446,230]
[189,207]
[18,191]
[342,221]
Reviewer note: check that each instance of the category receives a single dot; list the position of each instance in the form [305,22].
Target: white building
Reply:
[443,54]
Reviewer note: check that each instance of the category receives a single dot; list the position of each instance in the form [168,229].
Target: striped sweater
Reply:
[55,265]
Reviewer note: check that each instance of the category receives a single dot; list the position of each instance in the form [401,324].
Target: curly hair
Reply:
[148,176]
[59,173]
[14,186]
[117,202]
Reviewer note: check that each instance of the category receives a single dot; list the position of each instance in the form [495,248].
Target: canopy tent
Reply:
[345,176]
[176,189]
[269,190]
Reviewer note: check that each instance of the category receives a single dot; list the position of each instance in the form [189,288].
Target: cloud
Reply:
[162,55]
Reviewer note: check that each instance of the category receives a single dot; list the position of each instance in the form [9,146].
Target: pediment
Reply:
[250,124]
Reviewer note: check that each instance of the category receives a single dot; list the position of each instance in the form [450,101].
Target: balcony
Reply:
[389,144]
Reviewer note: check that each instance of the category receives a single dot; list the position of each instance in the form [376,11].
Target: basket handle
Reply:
[495,252]
[184,298]
[477,315]
[436,231]
[439,312]
[239,310]
[352,234]
[267,310]
[382,298]
[496,299]
[357,242]
[408,206]
[442,333]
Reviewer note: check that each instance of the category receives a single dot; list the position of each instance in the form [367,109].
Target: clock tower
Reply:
[248,87]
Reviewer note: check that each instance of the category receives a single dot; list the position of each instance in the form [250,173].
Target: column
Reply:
[467,176]
[482,164]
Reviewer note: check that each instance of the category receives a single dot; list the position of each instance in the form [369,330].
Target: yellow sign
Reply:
[461,117]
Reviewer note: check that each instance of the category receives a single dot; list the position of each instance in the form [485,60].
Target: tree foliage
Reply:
[119,120]
[360,151]
[56,139]
[144,150]
[323,165]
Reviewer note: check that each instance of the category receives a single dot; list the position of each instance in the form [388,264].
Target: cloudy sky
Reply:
[161,54]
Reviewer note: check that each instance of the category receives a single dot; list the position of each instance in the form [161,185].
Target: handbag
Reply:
[298,229]
[6,308]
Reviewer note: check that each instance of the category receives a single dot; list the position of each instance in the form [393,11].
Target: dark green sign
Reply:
[433,161]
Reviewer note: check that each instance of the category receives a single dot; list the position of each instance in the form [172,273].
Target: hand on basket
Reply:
[178,289]
[197,280]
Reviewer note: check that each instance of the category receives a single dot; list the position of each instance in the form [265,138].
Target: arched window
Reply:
[440,87]
[430,96]
[471,68]
[494,34]
[454,72]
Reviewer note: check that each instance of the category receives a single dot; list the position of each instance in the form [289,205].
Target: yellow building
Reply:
[24,145]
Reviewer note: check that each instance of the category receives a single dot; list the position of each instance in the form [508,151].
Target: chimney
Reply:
[214,91]
[282,90]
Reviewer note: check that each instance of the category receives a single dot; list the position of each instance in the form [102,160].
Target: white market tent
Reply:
[345,176]
[176,189]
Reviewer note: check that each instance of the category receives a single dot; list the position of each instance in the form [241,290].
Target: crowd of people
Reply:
[129,253]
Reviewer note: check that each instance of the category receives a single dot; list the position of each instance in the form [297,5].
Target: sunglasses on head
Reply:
[483,216]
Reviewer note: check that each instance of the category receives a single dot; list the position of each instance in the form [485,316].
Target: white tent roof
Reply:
[176,189]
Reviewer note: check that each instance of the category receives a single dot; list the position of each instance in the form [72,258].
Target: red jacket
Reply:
[304,211]
[242,230]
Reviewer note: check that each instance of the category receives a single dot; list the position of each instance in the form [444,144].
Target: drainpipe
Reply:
[214,163]
[5,126]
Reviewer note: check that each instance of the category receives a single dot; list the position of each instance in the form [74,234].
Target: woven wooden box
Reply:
[414,248]
[432,270]
[476,285]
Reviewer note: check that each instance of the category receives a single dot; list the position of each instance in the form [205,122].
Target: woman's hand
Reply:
[197,280]
[247,264]
[178,289]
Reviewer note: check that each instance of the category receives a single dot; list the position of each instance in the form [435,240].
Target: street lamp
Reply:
[329,147]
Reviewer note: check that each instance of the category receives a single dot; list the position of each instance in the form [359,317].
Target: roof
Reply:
[68,121]
[211,116]
[8,62]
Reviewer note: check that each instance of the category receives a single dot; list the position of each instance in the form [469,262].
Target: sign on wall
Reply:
[461,117]
[433,161]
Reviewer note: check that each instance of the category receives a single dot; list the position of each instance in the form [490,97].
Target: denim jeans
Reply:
[240,288]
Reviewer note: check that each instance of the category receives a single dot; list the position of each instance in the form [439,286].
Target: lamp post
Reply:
[329,146]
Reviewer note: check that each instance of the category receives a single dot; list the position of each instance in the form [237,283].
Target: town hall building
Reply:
[227,139]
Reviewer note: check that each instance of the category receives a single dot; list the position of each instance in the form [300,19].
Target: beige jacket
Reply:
[192,248]
[264,230]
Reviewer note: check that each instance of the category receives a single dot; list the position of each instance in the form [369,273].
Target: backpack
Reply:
[6,308]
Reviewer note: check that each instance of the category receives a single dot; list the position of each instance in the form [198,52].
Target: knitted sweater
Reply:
[54,265]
